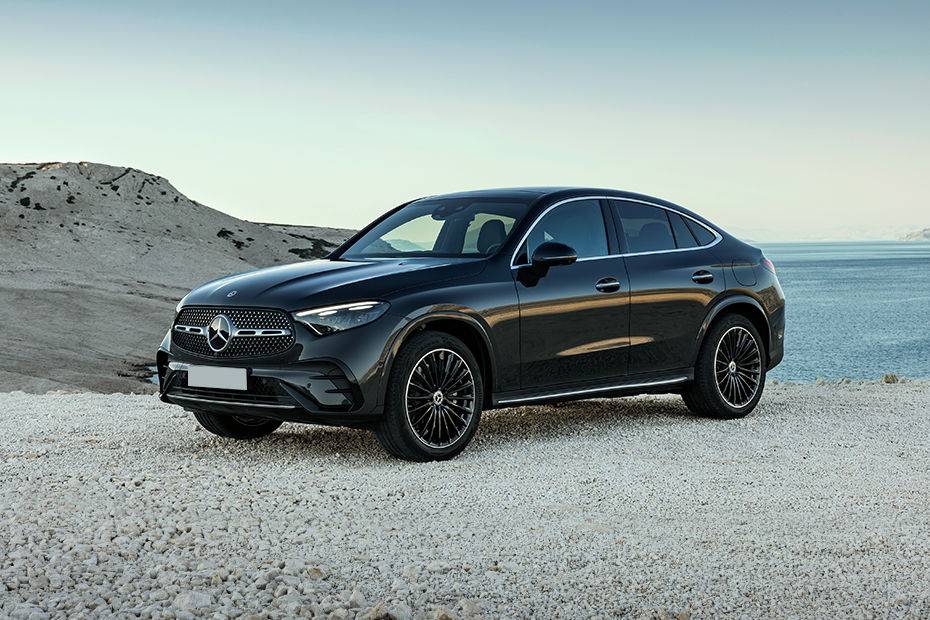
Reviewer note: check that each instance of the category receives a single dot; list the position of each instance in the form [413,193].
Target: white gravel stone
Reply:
[193,601]
[357,599]
[816,505]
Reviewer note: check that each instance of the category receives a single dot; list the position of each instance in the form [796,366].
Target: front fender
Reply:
[423,317]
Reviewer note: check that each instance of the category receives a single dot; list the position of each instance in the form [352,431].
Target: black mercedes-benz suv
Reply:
[451,305]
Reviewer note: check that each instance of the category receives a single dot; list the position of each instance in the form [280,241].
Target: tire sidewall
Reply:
[227,425]
[396,408]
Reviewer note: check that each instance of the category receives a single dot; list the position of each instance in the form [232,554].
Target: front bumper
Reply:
[309,392]
[335,379]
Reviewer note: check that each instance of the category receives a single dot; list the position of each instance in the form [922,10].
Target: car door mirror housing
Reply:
[552,254]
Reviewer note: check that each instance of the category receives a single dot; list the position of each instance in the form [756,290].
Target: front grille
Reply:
[242,318]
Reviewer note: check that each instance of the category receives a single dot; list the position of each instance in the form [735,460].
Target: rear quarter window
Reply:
[683,236]
[700,232]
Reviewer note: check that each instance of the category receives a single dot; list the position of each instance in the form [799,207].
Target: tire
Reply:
[236,427]
[439,424]
[738,390]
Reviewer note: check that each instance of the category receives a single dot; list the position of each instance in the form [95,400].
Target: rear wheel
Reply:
[729,375]
[236,426]
[433,402]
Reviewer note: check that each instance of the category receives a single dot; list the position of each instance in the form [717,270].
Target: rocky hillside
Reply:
[918,235]
[93,259]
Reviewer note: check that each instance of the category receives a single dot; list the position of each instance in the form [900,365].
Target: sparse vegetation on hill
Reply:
[918,235]
[93,259]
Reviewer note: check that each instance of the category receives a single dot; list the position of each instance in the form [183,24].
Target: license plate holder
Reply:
[218,377]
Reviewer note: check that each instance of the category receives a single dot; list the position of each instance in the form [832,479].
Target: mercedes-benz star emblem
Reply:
[219,332]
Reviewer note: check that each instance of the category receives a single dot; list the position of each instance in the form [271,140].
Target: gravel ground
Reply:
[817,505]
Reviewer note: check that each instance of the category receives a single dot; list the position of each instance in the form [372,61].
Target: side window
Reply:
[703,236]
[645,228]
[683,236]
[579,225]
[486,233]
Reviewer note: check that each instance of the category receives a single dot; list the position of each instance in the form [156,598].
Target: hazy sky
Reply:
[784,121]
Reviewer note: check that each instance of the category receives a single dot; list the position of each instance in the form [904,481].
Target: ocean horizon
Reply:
[855,309]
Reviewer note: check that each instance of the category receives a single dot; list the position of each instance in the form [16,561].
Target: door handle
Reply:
[703,277]
[607,285]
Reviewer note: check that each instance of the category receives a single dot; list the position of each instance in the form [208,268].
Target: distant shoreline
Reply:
[843,242]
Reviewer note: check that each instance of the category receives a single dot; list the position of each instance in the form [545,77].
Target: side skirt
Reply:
[630,387]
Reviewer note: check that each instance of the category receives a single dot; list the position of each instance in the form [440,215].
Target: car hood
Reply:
[322,282]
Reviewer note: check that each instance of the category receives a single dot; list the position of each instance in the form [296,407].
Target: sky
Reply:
[778,121]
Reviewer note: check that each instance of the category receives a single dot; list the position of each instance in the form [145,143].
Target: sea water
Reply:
[857,310]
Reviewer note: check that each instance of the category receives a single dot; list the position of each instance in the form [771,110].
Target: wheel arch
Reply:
[470,330]
[737,304]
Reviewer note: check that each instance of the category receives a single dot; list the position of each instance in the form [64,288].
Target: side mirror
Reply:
[552,254]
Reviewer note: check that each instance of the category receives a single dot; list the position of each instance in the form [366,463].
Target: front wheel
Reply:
[434,398]
[729,375]
[236,426]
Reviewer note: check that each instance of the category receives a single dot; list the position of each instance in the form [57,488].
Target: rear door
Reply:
[574,321]
[674,276]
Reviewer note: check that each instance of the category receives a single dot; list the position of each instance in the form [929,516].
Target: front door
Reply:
[574,321]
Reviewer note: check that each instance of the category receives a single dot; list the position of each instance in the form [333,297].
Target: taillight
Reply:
[769,265]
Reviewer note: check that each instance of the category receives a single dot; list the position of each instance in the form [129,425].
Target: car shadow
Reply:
[498,428]
[564,419]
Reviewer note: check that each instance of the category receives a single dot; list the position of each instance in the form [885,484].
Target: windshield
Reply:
[443,227]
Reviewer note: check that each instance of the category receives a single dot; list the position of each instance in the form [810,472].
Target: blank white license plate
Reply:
[217,377]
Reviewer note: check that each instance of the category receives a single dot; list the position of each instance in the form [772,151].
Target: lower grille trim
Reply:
[230,402]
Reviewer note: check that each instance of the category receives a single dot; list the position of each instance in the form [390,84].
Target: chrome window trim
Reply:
[581,260]
[717,236]
[593,390]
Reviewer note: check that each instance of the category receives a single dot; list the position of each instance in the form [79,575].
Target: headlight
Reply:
[333,319]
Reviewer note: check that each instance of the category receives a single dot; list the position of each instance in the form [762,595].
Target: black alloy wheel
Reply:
[729,375]
[434,399]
